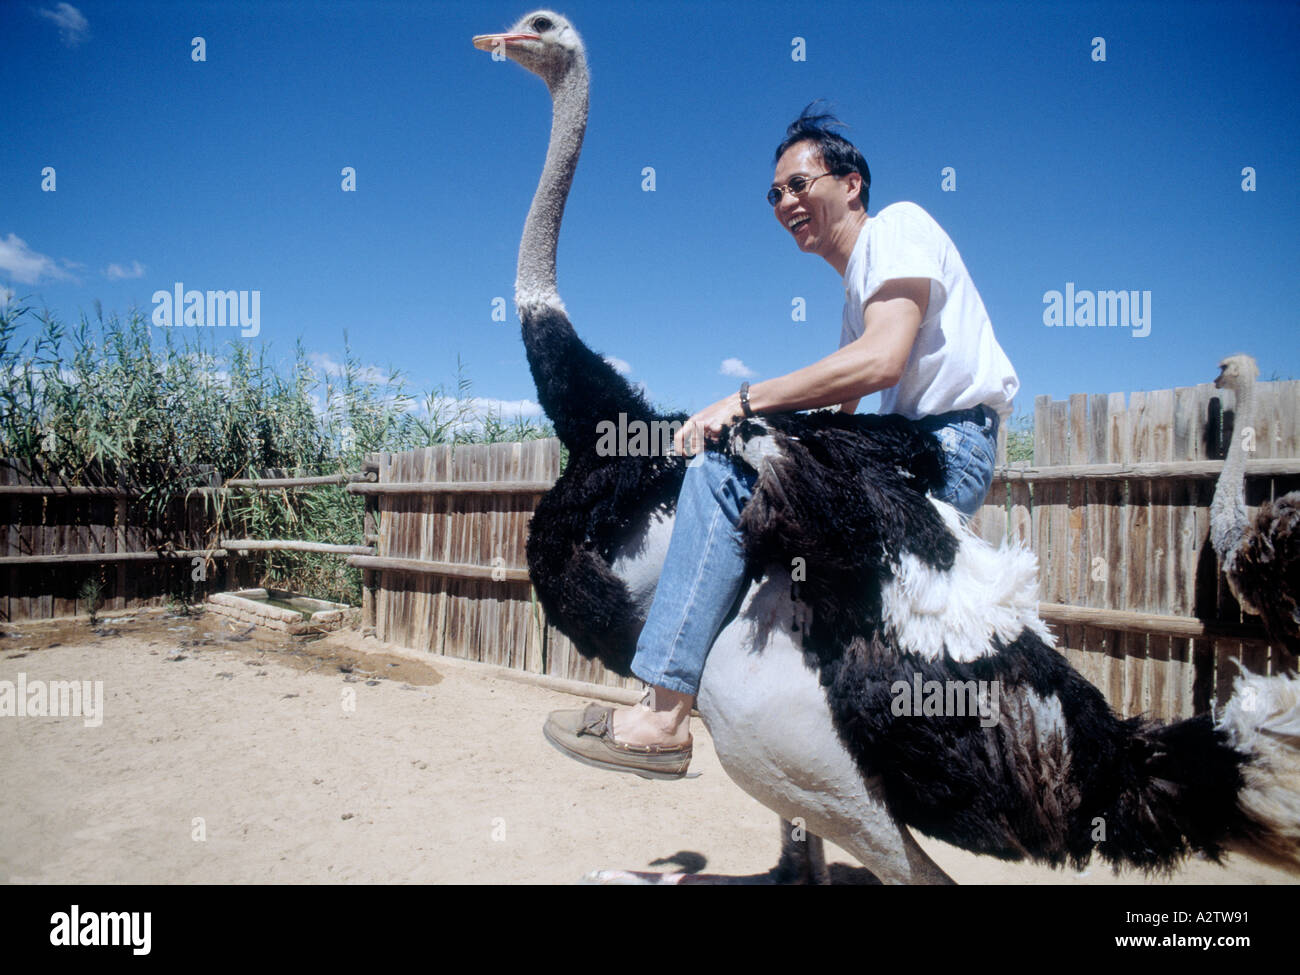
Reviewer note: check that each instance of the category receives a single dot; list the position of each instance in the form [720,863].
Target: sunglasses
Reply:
[798,185]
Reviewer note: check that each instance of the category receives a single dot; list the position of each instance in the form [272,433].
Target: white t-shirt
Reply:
[956,363]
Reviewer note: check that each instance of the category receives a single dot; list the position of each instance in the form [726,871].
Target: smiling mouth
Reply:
[798,222]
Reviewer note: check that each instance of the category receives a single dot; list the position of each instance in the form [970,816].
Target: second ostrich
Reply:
[814,719]
[1259,556]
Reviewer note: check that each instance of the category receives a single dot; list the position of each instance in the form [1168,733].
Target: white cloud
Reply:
[511,408]
[72,24]
[507,409]
[624,368]
[734,367]
[326,364]
[117,272]
[25,265]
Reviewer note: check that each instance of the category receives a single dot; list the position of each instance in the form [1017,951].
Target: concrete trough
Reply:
[301,617]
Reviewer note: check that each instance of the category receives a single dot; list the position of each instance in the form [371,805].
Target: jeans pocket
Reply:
[970,467]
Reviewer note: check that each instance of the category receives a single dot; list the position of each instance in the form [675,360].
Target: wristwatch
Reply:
[744,398]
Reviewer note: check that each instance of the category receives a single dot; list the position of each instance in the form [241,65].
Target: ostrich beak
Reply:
[489,42]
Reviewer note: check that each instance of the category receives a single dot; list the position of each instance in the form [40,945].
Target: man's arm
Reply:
[873,361]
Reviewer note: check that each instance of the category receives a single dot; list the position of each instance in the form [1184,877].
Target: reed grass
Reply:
[1020,438]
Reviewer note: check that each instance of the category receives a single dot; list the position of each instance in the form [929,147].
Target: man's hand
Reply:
[706,425]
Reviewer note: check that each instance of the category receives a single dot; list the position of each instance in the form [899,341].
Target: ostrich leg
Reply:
[803,860]
[771,726]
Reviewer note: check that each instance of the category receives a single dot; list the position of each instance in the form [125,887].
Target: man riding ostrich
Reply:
[644,565]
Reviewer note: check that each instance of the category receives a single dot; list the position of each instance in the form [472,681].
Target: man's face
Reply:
[809,218]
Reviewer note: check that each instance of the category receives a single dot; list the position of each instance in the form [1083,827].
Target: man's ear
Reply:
[853,182]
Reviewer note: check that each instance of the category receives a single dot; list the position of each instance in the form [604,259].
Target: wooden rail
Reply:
[454,487]
[275,483]
[1154,623]
[1155,471]
[235,484]
[293,545]
[93,557]
[454,570]
[68,490]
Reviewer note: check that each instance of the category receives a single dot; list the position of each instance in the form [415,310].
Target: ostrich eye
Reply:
[541,25]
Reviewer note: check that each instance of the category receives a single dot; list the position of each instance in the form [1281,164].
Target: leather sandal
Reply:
[588,737]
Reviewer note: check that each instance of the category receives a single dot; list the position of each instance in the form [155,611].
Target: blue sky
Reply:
[225,174]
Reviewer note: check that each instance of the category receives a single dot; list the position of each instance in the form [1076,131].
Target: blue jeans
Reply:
[705,567]
[970,440]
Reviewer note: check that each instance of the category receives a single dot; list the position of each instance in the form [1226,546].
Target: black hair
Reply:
[839,154]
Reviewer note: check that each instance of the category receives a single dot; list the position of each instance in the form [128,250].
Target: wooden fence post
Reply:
[370,536]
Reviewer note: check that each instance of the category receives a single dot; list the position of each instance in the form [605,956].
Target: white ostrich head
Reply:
[542,41]
[1237,372]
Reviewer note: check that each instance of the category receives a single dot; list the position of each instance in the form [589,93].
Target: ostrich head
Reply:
[1237,372]
[543,42]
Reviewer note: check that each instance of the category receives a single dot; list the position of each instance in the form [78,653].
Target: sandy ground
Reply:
[228,760]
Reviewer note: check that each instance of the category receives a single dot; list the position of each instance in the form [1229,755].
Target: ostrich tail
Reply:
[1262,719]
[1202,786]
[1172,790]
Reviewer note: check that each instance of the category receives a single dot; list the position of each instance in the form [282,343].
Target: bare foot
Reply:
[662,718]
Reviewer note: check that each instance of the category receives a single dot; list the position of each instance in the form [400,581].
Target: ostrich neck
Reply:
[1228,509]
[577,388]
[535,281]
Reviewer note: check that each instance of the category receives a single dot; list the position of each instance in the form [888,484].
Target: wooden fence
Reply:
[54,537]
[450,574]
[1116,506]
[1115,503]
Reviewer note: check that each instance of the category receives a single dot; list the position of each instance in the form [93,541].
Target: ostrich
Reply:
[810,701]
[1261,558]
